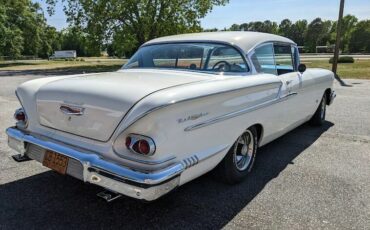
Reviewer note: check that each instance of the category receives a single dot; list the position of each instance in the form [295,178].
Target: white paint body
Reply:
[160,104]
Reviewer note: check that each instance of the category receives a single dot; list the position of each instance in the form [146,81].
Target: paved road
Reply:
[310,178]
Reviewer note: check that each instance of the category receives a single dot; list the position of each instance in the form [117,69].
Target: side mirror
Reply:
[302,68]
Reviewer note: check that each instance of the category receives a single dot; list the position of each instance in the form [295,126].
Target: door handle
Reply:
[288,82]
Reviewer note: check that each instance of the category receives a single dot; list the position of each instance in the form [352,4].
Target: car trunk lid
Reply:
[92,106]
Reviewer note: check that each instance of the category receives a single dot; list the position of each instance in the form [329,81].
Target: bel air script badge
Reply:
[192,117]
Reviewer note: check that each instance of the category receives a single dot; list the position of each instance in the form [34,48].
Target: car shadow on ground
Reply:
[48,200]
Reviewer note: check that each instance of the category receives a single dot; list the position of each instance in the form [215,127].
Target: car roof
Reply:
[245,40]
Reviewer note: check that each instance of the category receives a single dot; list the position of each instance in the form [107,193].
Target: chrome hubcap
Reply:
[243,150]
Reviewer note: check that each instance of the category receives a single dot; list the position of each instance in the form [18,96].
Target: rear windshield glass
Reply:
[206,57]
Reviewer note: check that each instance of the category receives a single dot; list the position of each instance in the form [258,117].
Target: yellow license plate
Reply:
[55,161]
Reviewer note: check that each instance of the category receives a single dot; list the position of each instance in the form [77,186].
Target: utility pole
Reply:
[337,41]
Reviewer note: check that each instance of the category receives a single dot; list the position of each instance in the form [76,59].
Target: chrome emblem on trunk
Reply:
[72,110]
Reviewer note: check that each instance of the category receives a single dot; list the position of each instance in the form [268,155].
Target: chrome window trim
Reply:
[252,51]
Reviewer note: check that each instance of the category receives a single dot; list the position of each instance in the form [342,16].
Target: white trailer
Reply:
[60,54]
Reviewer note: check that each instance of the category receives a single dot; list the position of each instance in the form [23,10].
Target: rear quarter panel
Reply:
[194,104]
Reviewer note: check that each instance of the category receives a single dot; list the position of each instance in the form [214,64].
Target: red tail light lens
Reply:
[144,147]
[20,116]
[140,144]
[128,142]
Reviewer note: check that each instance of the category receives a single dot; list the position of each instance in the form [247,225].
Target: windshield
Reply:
[189,56]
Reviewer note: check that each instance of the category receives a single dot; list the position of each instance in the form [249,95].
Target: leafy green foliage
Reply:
[355,35]
[130,23]
[360,38]
[121,26]
[343,59]
[318,33]
[23,30]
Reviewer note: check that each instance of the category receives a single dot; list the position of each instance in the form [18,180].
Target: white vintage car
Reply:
[181,106]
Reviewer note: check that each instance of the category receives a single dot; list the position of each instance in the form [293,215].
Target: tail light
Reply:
[21,118]
[140,144]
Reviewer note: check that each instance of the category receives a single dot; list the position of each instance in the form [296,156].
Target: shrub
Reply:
[343,59]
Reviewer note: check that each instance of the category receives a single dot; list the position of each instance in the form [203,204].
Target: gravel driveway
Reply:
[310,178]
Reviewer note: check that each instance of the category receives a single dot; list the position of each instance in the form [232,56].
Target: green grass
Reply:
[89,65]
[358,70]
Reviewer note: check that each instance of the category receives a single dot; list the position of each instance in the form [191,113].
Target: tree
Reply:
[285,28]
[348,26]
[318,33]
[73,38]
[140,20]
[299,31]
[258,26]
[235,27]
[360,38]
[244,26]
[23,29]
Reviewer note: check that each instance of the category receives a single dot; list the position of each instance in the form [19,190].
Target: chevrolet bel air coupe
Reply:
[182,105]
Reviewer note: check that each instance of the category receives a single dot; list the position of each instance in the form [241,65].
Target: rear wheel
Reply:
[319,117]
[240,159]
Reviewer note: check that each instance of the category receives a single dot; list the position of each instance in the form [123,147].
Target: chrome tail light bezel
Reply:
[20,123]
[135,138]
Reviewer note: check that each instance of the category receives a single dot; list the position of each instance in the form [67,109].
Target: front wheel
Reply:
[318,118]
[240,159]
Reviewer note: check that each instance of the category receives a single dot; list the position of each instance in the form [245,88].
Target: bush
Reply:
[344,59]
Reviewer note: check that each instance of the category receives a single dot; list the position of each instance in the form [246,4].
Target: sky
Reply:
[241,11]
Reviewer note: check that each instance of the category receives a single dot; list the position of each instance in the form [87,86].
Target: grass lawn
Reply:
[89,65]
[358,70]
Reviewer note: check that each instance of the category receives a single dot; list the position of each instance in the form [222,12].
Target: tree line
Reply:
[121,26]
[355,37]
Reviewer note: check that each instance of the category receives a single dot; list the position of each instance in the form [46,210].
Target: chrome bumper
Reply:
[95,170]
[332,97]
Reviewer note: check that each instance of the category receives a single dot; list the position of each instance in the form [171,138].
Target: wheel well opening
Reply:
[327,94]
[259,129]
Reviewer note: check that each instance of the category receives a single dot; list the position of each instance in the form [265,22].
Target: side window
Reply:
[134,62]
[284,59]
[226,59]
[263,59]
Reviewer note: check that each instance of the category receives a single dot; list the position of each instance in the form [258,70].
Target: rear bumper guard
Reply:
[140,185]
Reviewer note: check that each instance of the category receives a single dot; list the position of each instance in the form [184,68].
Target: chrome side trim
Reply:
[190,161]
[193,98]
[238,113]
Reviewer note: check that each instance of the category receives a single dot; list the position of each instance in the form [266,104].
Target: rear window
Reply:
[206,57]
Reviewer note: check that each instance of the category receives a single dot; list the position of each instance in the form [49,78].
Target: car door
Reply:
[263,60]
[295,85]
